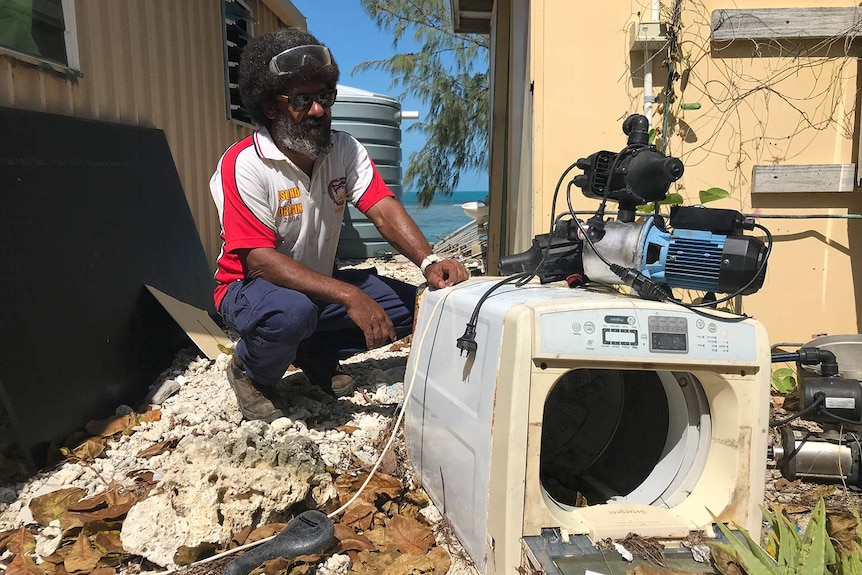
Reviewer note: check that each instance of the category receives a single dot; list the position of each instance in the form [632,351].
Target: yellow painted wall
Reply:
[757,108]
[154,63]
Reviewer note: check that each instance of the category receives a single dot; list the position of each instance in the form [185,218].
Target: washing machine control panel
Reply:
[644,333]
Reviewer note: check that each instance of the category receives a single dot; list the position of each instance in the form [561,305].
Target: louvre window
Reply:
[238,18]
[37,28]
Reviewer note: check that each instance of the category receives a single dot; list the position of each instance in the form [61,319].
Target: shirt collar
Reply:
[266,147]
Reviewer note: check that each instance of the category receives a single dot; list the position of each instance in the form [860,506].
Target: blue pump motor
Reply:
[682,258]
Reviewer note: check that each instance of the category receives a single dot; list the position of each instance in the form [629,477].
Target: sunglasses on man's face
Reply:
[302,102]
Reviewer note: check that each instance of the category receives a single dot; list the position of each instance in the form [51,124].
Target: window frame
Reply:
[72,67]
[229,108]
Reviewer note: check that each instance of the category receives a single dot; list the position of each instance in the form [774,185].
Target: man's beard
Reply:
[311,137]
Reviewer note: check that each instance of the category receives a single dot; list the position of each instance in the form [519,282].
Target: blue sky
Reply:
[354,38]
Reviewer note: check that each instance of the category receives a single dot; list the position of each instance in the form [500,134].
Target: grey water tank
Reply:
[374,120]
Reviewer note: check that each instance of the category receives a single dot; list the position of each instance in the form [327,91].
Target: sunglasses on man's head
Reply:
[302,102]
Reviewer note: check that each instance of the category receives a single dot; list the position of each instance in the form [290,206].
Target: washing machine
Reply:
[584,415]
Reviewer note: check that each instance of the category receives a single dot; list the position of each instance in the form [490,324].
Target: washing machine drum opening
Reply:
[624,436]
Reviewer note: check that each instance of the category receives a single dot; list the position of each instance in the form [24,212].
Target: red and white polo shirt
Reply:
[265,201]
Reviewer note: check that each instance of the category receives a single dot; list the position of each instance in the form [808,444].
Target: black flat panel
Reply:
[90,212]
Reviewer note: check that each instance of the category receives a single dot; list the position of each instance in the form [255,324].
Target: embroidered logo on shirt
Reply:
[338,192]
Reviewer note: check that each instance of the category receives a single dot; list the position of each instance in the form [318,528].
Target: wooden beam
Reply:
[804,178]
[786,23]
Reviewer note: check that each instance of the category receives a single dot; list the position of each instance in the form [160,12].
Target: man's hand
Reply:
[371,319]
[445,273]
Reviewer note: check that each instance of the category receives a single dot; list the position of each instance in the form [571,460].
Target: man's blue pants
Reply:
[280,326]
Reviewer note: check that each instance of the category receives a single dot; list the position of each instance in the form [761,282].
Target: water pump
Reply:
[702,249]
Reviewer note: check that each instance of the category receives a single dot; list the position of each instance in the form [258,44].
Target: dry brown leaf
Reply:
[842,528]
[19,541]
[373,563]
[417,497]
[380,484]
[348,429]
[442,561]
[50,506]
[108,542]
[186,555]
[822,492]
[390,508]
[301,569]
[726,563]
[272,567]
[349,540]
[400,344]
[70,520]
[265,531]
[112,425]
[389,462]
[23,565]
[790,509]
[143,475]
[782,484]
[359,516]
[150,415]
[408,535]
[312,558]
[112,503]
[159,448]
[239,538]
[411,511]
[410,565]
[82,557]
[377,536]
[4,535]
[103,571]
[88,450]
[53,558]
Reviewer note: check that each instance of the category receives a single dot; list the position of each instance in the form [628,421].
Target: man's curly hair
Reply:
[258,86]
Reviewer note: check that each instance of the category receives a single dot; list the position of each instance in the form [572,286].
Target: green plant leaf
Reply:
[783,380]
[652,135]
[690,106]
[813,554]
[758,551]
[672,200]
[713,194]
[753,563]
[788,543]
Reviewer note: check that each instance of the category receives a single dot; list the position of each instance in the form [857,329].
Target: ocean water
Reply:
[442,217]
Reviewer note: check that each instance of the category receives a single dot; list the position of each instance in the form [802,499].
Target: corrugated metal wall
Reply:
[156,63]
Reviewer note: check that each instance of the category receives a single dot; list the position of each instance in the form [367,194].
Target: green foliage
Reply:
[830,545]
[449,74]
[783,380]
[672,199]
[713,194]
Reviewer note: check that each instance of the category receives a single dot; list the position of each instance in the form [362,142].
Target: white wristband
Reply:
[431,259]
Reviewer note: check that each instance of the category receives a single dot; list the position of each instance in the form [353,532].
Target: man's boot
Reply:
[252,398]
[323,373]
